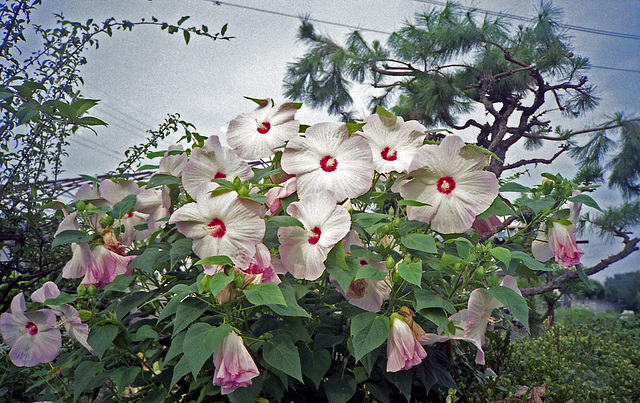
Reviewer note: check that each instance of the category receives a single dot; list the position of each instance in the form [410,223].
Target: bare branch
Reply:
[563,148]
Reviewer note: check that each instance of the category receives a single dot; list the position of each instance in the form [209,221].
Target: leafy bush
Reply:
[593,359]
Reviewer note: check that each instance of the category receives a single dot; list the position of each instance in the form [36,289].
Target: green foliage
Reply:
[584,357]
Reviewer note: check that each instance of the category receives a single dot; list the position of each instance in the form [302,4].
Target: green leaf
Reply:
[150,259]
[421,242]
[120,283]
[101,336]
[368,271]
[81,105]
[427,299]
[220,260]
[498,208]
[514,302]
[586,200]
[66,110]
[337,266]
[292,308]
[71,236]
[161,180]
[368,331]
[247,394]
[123,207]
[124,376]
[144,333]
[218,282]
[529,261]
[413,203]
[63,298]
[514,187]
[179,370]
[437,316]
[464,247]
[284,221]
[411,273]
[315,364]
[538,205]
[90,178]
[91,121]
[340,388]
[183,19]
[187,36]
[200,342]
[265,294]
[368,219]
[188,311]
[501,254]
[180,249]
[83,374]
[354,127]
[583,276]
[283,355]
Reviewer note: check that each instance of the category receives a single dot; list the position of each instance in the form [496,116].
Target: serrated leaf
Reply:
[123,207]
[411,272]
[315,364]
[63,298]
[514,302]
[71,236]
[354,127]
[161,180]
[219,260]
[421,242]
[188,311]
[501,254]
[265,294]
[101,336]
[292,308]
[514,187]
[200,342]
[368,331]
[586,200]
[218,282]
[179,370]
[283,355]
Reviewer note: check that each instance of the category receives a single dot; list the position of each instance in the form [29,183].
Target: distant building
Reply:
[595,305]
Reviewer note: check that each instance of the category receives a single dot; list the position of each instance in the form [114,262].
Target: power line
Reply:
[434,2]
[525,19]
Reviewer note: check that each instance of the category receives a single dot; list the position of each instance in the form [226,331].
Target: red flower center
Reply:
[363,262]
[389,154]
[313,239]
[219,175]
[217,228]
[264,127]
[328,163]
[129,215]
[357,288]
[446,184]
[32,328]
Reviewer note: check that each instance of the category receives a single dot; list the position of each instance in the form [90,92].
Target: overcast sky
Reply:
[142,76]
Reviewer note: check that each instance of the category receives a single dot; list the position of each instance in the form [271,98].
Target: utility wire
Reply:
[434,2]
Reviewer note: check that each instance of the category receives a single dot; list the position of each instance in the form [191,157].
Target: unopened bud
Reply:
[84,315]
[92,290]
[81,290]
[106,222]
[80,206]
[237,183]
[243,191]
[390,263]
[238,281]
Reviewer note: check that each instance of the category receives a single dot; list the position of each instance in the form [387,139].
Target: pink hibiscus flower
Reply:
[451,180]
[472,322]
[304,250]
[32,336]
[393,142]
[258,134]
[222,225]
[560,243]
[403,349]
[234,365]
[326,158]
[213,161]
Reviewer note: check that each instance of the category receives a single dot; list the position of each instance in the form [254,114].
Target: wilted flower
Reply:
[560,243]
[32,336]
[403,349]
[234,365]
[450,179]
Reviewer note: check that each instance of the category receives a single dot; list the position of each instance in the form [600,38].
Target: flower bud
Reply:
[84,315]
[92,290]
[81,290]
[80,206]
[390,262]
[204,282]
[237,183]
[238,281]
[243,191]
[90,207]
[106,222]
[547,186]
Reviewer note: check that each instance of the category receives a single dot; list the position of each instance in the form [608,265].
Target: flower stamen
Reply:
[217,228]
[446,184]
[328,163]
